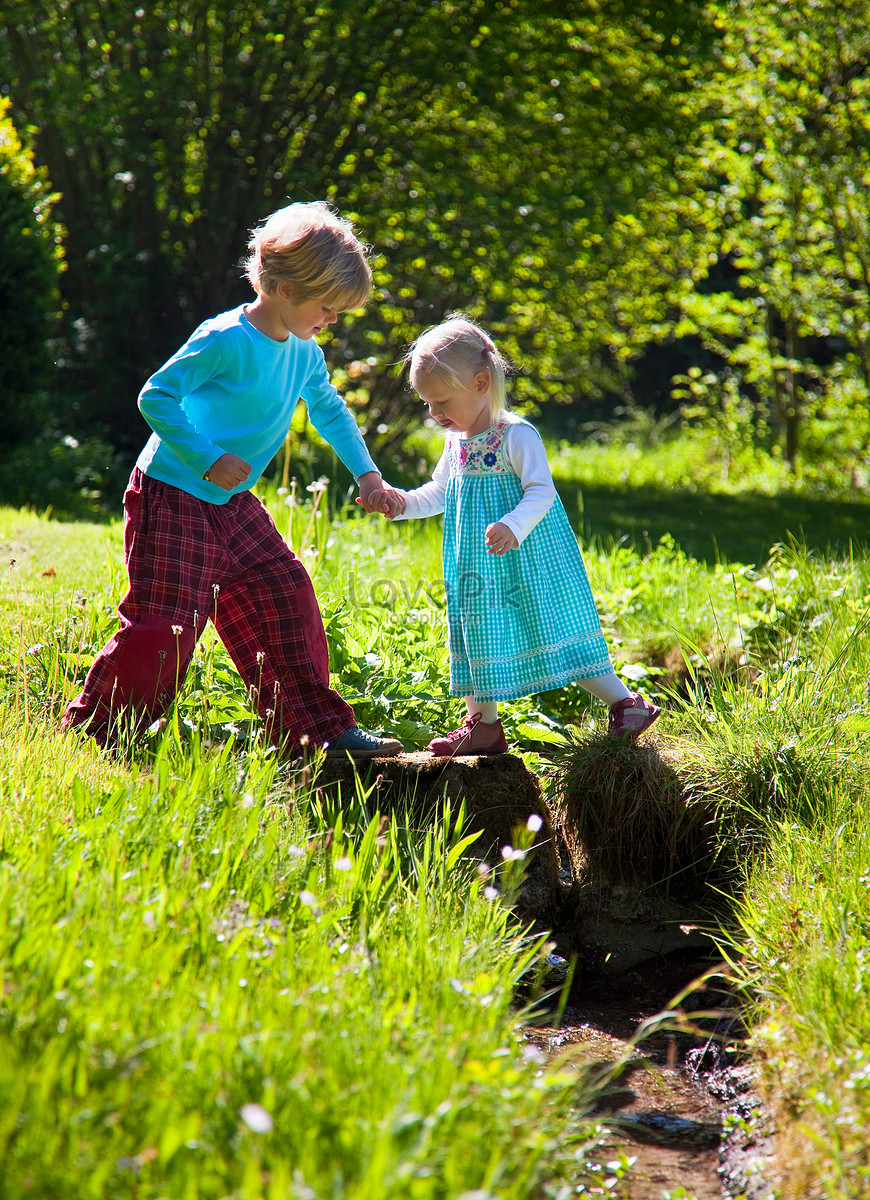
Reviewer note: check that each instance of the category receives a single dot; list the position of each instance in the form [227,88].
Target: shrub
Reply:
[31,259]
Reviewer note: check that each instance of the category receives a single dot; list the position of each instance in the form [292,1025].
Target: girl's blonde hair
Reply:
[314,251]
[455,351]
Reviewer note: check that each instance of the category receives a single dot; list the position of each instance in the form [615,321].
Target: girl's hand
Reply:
[394,503]
[228,472]
[500,539]
[376,496]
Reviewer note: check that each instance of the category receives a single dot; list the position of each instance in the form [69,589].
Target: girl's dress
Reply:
[525,621]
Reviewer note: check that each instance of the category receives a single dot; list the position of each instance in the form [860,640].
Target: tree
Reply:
[489,148]
[784,167]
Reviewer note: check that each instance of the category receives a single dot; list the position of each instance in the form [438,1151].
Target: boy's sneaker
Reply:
[555,970]
[474,737]
[551,971]
[358,743]
[631,716]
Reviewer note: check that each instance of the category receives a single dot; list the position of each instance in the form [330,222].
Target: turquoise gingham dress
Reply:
[525,621]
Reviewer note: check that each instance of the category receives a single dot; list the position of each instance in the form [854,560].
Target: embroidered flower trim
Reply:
[481,454]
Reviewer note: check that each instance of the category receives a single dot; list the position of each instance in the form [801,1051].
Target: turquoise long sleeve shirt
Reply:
[231,389]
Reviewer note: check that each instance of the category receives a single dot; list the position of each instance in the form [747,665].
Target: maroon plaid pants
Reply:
[190,562]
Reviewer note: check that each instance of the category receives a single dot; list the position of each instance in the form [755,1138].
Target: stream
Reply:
[684,1107]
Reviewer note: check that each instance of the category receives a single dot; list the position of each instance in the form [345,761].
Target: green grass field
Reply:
[213,987]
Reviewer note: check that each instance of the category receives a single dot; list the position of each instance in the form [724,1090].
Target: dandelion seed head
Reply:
[257,1119]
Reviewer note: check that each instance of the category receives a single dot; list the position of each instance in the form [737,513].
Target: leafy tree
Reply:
[520,197]
[783,169]
[30,262]
[495,152]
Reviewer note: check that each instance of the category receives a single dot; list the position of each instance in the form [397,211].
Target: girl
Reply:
[198,543]
[521,616]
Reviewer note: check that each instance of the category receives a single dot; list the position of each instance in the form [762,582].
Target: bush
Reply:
[72,479]
[31,259]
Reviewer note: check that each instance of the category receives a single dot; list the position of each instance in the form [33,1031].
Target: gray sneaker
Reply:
[358,743]
[555,970]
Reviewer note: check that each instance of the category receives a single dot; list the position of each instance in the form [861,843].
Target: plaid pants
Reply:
[190,562]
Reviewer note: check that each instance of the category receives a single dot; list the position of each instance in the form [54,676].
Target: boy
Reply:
[198,544]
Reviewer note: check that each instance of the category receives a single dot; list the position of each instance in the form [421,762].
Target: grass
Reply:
[213,987]
[801,955]
[720,503]
[207,993]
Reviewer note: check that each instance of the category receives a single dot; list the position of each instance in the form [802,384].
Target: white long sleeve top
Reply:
[524,453]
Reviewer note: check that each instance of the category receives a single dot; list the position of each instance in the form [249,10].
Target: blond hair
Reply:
[455,351]
[315,252]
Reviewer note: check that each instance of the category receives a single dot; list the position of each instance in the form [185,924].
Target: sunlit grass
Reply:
[206,992]
[801,955]
[374,1027]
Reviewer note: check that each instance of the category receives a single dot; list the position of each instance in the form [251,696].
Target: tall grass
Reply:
[802,960]
[211,986]
[206,993]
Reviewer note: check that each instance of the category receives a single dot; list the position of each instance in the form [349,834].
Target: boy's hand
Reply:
[377,496]
[500,539]
[228,472]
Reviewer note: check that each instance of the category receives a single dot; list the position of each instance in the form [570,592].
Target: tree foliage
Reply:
[784,166]
[487,148]
[687,179]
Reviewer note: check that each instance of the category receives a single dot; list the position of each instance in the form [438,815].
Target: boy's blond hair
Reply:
[316,252]
[455,351]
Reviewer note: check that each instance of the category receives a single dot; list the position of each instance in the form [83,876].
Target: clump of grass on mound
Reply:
[628,817]
[682,813]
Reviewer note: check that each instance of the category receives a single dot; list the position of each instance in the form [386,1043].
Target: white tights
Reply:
[608,688]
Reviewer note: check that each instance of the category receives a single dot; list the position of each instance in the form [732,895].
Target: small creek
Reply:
[672,1107]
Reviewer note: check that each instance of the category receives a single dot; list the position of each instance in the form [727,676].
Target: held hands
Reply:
[375,496]
[228,472]
[500,539]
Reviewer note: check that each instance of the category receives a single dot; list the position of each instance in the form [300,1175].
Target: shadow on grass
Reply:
[740,528]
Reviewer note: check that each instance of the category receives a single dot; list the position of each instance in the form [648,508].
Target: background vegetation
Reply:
[655,206]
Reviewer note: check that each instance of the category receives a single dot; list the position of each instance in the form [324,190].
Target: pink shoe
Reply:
[631,716]
[474,737]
